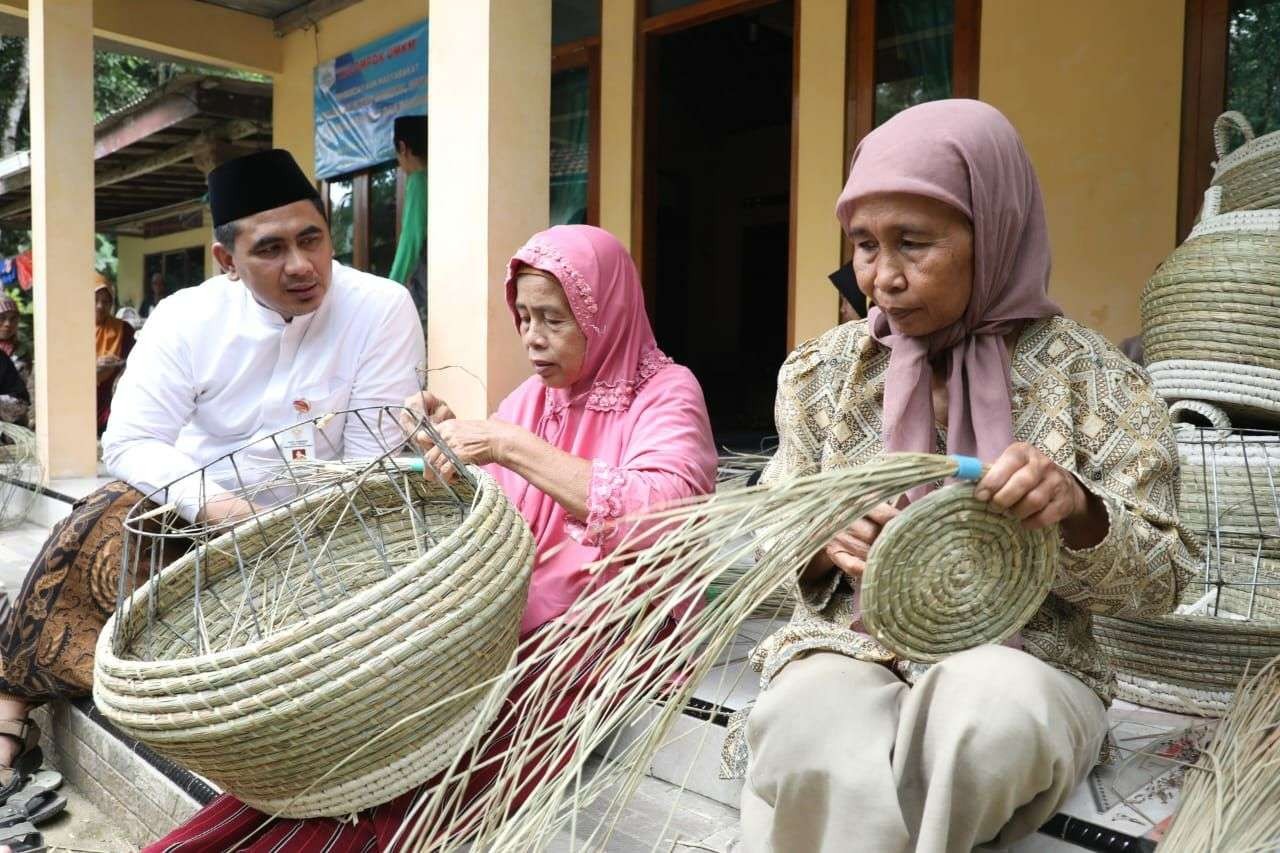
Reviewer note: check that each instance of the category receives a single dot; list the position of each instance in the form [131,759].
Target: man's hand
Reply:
[225,509]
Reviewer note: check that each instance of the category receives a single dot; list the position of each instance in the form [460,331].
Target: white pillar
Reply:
[62,222]
[489,187]
[818,166]
[617,115]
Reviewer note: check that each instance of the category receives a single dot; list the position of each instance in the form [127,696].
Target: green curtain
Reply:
[570,149]
[914,41]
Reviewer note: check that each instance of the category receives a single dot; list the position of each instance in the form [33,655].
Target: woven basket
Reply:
[949,574]
[1192,661]
[354,686]
[1211,314]
[1250,175]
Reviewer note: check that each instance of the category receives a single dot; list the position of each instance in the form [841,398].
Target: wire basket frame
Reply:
[21,474]
[328,524]
[1231,502]
[1228,621]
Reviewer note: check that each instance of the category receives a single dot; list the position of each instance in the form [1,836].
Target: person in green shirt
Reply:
[410,264]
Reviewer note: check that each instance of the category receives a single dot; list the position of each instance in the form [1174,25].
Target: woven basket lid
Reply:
[950,574]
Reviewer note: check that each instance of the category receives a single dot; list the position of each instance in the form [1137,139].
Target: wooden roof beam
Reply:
[228,132]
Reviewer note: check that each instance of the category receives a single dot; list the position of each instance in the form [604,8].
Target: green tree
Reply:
[1253,63]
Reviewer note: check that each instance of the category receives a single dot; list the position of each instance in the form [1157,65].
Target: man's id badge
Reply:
[300,441]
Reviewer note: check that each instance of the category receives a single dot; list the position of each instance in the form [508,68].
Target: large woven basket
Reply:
[1192,661]
[1211,314]
[1250,175]
[364,699]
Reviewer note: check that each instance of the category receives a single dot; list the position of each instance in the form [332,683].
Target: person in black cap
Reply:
[410,267]
[284,336]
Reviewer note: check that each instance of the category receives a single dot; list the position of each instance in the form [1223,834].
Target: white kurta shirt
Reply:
[214,371]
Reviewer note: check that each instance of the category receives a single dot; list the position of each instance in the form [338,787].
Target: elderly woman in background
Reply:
[850,748]
[15,371]
[607,427]
[113,339]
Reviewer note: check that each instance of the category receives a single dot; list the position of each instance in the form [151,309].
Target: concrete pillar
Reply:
[61,33]
[490,105]
[617,115]
[818,167]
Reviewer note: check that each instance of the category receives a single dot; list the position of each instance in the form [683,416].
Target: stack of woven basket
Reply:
[1211,332]
[1211,313]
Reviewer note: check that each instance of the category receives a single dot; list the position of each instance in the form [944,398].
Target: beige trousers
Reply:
[846,757]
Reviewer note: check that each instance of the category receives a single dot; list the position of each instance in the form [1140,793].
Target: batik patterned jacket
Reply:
[1077,399]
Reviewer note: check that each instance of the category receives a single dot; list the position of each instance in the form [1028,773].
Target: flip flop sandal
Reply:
[16,776]
[22,838]
[32,805]
[47,778]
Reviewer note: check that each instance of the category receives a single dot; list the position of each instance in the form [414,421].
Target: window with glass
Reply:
[907,52]
[383,219]
[570,145]
[179,267]
[342,217]
[364,217]
[1231,61]
[913,57]
[575,111]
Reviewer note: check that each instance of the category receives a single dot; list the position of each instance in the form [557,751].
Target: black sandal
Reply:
[34,804]
[22,838]
[28,760]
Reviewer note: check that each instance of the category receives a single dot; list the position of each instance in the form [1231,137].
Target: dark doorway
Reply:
[717,155]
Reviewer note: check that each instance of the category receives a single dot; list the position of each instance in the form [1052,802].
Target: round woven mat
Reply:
[950,574]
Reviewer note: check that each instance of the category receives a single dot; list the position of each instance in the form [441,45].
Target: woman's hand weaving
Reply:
[472,442]
[1033,488]
[848,550]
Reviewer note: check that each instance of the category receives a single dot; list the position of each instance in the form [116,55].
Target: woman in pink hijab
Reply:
[606,427]
[849,747]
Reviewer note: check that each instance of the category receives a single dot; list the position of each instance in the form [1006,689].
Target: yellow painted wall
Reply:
[130,252]
[1095,88]
[818,167]
[617,113]
[293,110]
[182,28]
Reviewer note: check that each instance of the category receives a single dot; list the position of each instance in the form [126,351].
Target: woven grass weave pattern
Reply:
[950,574]
[1250,175]
[339,705]
[1211,311]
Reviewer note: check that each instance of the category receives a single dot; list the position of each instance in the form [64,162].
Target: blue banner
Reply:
[358,96]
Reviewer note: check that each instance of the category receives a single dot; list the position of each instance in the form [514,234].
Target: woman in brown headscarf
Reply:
[850,747]
[113,339]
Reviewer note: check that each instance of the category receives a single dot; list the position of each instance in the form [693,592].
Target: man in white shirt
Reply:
[284,335]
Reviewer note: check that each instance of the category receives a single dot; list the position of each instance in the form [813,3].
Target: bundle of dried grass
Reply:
[632,644]
[1231,799]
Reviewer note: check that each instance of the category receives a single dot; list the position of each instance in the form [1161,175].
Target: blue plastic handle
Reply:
[416,465]
[968,468]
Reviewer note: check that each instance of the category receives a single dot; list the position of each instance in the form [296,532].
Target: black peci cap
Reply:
[256,182]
